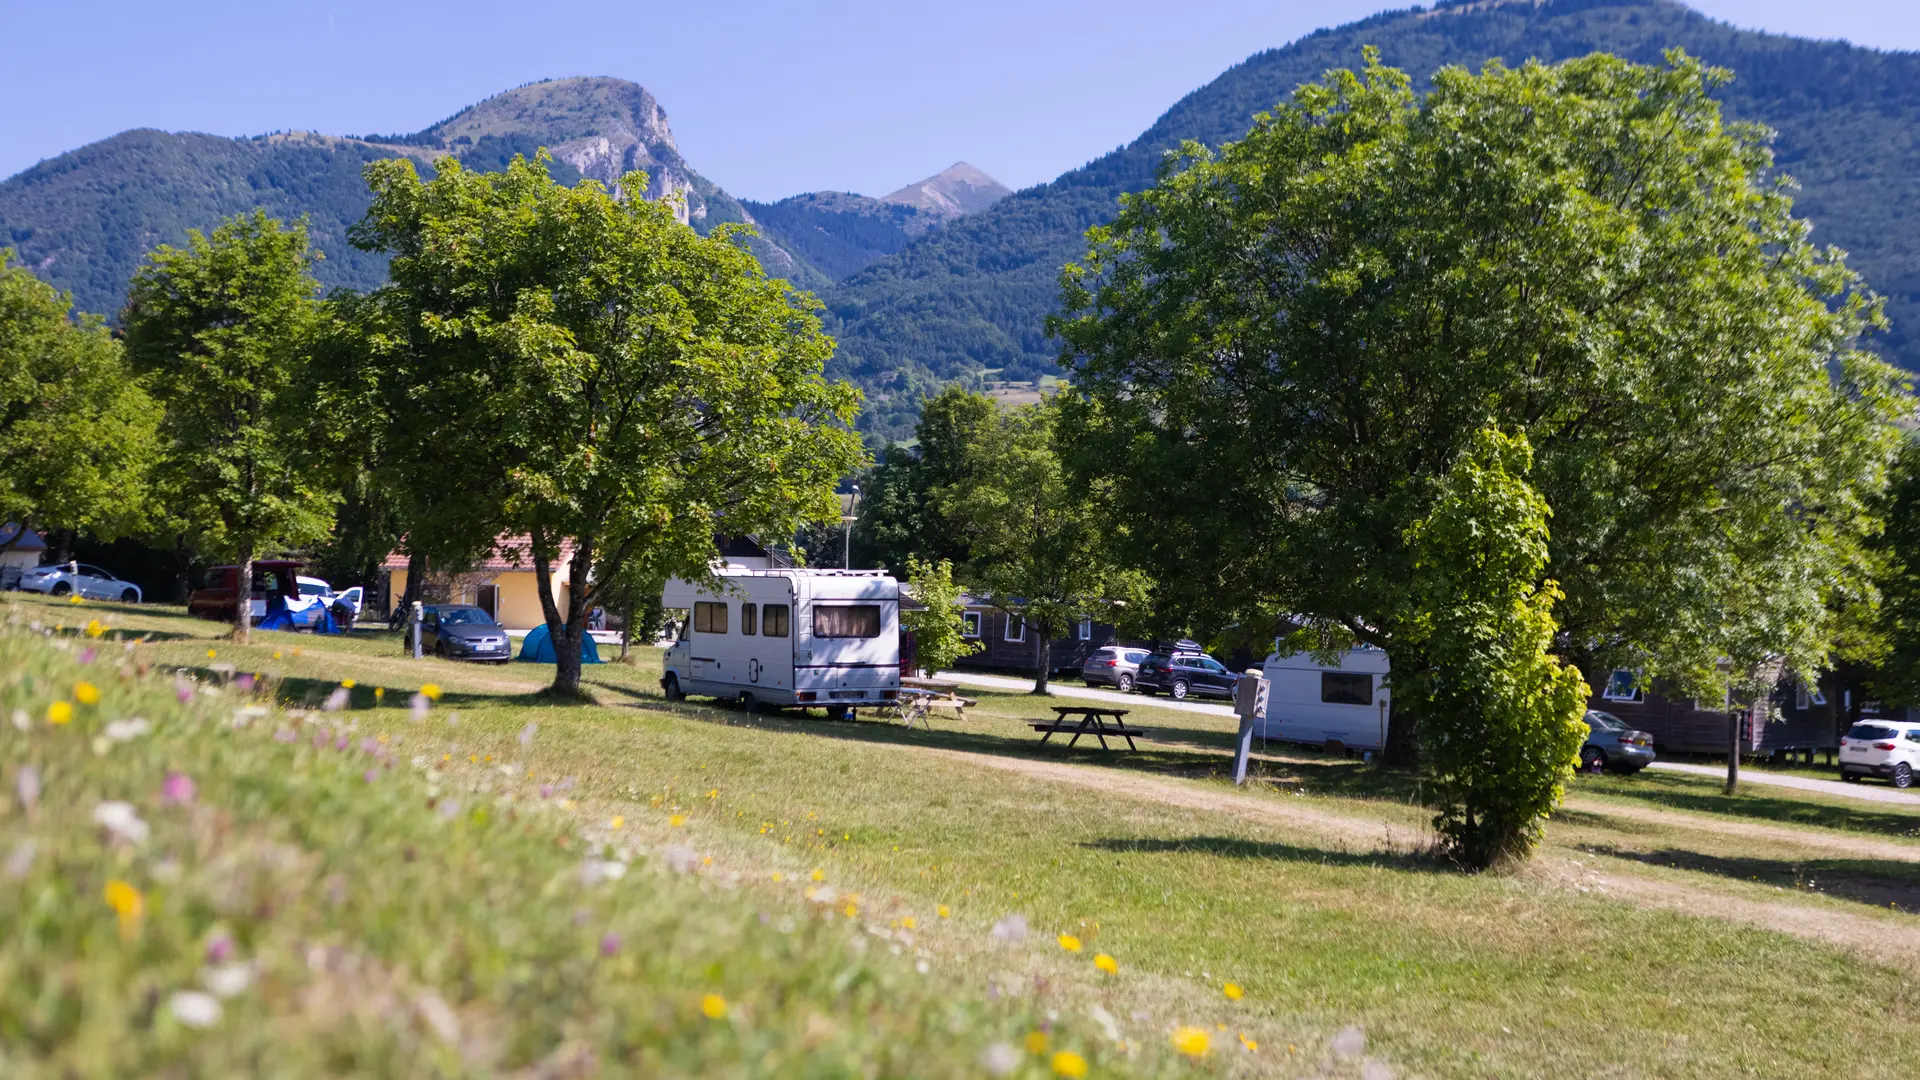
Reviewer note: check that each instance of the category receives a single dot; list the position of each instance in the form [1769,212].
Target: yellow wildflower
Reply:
[943,911]
[853,909]
[777,877]
[94,629]
[59,712]
[1069,943]
[908,922]
[819,875]
[1252,1045]
[677,820]
[86,693]
[276,654]
[210,654]
[128,904]
[379,692]
[617,821]
[714,1006]
[348,683]
[1191,1041]
[1068,1063]
[1036,1042]
[1106,963]
[431,691]
[74,599]
[1233,991]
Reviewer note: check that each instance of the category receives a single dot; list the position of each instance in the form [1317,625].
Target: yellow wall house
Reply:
[502,584]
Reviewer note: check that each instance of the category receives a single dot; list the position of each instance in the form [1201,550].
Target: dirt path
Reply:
[1831,841]
[1891,940]
[1835,788]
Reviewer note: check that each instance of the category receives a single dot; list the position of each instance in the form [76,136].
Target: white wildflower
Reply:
[194,1008]
[1000,1059]
[526,733]
[123,730]
[26,784]
[227,980]
[1011,930]
[120,819]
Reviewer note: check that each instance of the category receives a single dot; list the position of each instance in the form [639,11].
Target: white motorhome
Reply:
[1315,704]
[827,638]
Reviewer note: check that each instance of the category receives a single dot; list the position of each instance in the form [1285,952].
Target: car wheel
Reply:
[1593,759]
[670,686]
[129,597]
[1125,683]
[1902,775]
[1179,690]
[60,588]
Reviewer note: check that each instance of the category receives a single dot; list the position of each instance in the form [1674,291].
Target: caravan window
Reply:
[773,620]
[749,613]
[1337,688]
[846,620]
[709,618]
[1086,628]
[970,624]
[1016,629]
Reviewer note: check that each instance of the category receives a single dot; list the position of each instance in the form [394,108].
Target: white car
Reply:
[315,591]
[62,579]
[1889,749]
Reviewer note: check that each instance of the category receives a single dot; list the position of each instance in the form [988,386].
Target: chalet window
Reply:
[749,614]
[709,618]
[970,624]
[846,621]
[1339,688]
[773,620]
[1016,629]
[1086,628]
[1622,685]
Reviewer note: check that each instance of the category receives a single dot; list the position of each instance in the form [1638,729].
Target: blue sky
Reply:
[765,98]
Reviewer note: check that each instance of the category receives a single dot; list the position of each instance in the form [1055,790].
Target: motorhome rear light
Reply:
[805,695]
[888,693]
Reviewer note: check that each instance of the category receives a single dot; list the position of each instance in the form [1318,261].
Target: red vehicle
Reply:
[271,577]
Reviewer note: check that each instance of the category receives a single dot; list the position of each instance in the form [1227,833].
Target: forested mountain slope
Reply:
[976,294]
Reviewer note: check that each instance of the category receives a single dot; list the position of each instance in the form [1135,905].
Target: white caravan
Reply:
[1315,704]
[828,638]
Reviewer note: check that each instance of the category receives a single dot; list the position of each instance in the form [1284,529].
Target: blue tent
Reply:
[538,647]
[315,618]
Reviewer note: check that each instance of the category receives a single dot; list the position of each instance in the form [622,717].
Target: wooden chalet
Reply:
[1008,645]
[1795,718]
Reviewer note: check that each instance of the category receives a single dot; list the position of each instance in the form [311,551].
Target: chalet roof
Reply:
[10,537]
[509,553]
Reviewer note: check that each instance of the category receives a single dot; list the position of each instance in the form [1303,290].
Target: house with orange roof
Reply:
[503,583]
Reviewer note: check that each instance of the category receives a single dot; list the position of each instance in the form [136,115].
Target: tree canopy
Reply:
[576,366]
[1296,339]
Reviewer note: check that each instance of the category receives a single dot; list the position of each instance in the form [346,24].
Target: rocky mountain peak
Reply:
[957,189]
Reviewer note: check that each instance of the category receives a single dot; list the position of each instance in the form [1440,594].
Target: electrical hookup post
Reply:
[1250,704]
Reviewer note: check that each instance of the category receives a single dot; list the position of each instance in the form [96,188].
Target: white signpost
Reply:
[1250,704]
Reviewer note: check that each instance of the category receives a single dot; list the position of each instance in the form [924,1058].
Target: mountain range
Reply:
[953,277]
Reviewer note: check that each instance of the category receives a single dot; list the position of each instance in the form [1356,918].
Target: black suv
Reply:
[1182,674]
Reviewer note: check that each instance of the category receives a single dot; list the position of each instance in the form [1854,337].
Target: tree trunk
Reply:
[1042,659]
[567,631]
[1733,751]
[63,553]
[416,576]
[182,569]
[1402,749]
[243,597]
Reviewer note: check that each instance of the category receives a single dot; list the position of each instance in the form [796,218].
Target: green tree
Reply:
[1296,339]
[610,383]
[219,328]
[939,626]
[908,500]
[76,429]
[1894,674]
[1038,548]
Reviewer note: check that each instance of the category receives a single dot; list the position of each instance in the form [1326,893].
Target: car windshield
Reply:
[1605,721]
[464,616]
[308,588]
[1871,731]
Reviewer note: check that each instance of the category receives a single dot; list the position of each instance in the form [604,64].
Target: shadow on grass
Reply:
[1875,882]
[1681,792]
[1236,848]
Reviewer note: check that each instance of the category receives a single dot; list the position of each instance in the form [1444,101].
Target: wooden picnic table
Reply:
[1094,720]
[914,703]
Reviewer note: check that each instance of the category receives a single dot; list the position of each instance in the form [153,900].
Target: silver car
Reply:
[1614,746]
[1112,665]
[62,579]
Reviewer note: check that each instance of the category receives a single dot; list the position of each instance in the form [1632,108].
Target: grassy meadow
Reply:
[492,882]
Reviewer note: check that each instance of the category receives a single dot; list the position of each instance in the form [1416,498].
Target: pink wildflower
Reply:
[182,691]
[609,944]
[244,683]
[178,789]
[219,948]
[87,654]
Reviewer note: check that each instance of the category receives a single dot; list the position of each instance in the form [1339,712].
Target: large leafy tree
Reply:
[1295,340]
[906,511]
[575,365]
[76,429]
[220,329]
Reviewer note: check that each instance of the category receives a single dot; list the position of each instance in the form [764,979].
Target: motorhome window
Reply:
[709,617]
[1086,629]
[749,614]
[773,620]
[970,624]
[1622,685]
[1016,629]
[846,621]
[1337,688]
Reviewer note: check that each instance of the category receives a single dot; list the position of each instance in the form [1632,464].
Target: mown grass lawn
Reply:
[1308,891]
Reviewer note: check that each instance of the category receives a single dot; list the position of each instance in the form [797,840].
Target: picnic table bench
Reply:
[1093,720]
[915,702]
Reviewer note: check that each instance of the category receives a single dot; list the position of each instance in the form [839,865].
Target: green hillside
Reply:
[837,232]
[976,293]
[85,220]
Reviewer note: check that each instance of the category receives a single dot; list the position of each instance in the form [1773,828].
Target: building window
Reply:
[1805,697]
[846,621]
[970,624]
[773,620]
[749,615]
[709,618]
[1622,685]
[1339,688]
[1086,628]
[1016,629]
